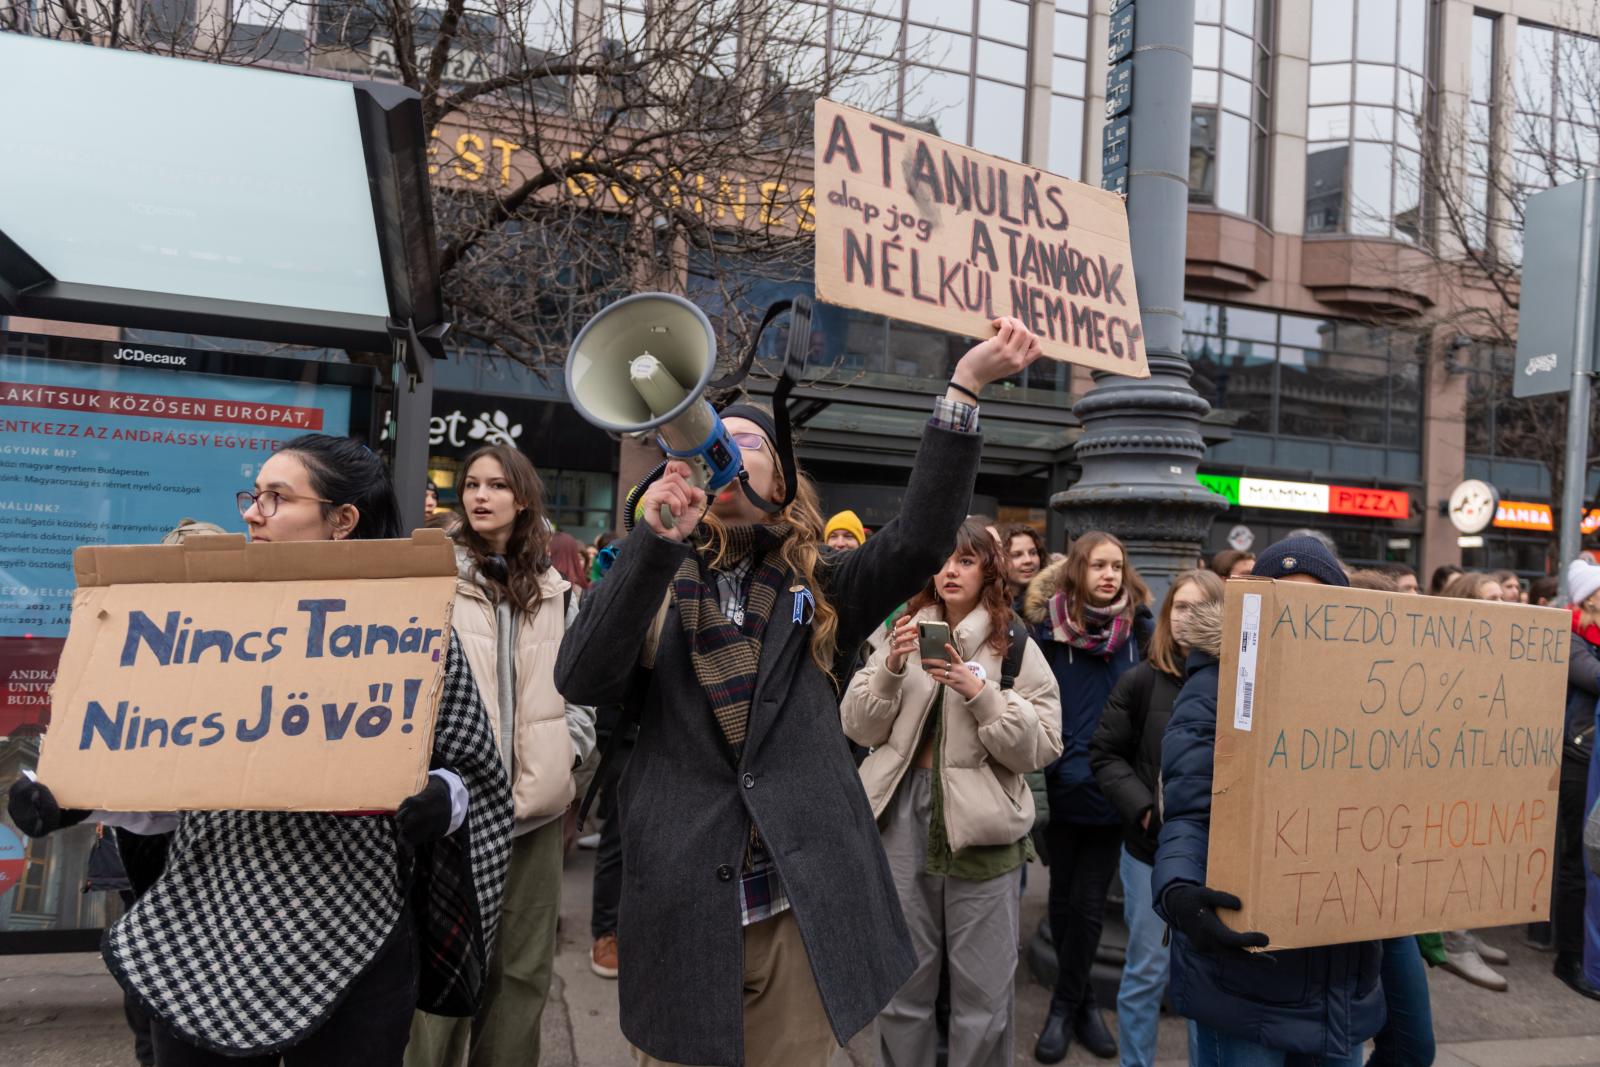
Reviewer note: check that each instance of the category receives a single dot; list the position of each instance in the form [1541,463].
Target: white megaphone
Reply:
[643,363]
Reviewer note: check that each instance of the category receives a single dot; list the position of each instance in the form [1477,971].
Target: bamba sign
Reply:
[225,675]
[919,228]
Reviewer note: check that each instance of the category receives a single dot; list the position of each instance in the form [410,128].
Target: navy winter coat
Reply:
[1086,680]
[1317,1001]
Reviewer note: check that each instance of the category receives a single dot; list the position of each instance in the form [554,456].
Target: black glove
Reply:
[1192,910]
[34,810]
[425,816]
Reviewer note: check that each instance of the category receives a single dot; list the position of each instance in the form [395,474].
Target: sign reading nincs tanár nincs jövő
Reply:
[915,227]
[1385,764]
[224,675]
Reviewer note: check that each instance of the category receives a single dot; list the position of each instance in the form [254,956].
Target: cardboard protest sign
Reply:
[1385,764]
[281,677]
[919,228]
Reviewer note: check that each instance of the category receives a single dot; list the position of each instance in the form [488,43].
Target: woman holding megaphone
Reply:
[759,920]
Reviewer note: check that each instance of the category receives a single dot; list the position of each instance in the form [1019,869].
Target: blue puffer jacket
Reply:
[1086,680]
[1318,1001]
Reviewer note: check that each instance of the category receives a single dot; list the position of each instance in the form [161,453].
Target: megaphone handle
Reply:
[669,519]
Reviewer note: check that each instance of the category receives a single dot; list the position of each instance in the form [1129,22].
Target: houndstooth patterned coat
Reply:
[263,920]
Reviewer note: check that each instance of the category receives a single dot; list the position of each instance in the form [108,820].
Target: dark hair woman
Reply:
[1442,576]
[1091,616]
[512,609]
[950,745]
[1232,563]
[287,935]
[759,920]
[1023,549]
[1126,756]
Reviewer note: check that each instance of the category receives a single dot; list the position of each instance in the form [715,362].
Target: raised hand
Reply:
[1011,349]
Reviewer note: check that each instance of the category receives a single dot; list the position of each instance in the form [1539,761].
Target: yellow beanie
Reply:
[850,523]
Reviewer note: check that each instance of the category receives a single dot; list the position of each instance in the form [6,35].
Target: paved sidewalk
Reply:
[65,1011]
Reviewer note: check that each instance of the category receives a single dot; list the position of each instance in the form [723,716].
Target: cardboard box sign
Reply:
[1385,764]
[930,231]
[225,675]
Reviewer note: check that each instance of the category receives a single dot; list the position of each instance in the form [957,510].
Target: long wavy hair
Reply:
[1075,576]
[527,551]
[1166,651]
[974,539]
[800,554]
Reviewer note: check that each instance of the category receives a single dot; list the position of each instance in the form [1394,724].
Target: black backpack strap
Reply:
[1011,666]
[566,605]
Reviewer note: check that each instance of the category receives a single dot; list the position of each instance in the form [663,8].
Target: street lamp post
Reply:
[1141,442]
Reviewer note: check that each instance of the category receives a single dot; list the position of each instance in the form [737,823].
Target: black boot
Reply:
[1055,1040]
[1569,968]
[1092,1032]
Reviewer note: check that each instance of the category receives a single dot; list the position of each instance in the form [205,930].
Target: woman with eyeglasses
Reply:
[310,938]
[512,608]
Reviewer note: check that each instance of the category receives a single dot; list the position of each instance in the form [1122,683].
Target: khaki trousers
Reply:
[971,927]
[784,1022]
[505,1032]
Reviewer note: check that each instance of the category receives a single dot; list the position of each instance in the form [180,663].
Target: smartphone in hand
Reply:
[932,636]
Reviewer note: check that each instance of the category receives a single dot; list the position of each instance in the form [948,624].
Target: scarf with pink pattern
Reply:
[1104,630]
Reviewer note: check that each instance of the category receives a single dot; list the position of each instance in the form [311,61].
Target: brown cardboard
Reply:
[923,229]
[349,728]
[1392,766]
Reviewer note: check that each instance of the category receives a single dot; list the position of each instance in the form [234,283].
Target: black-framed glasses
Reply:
[752,442]
[266,502]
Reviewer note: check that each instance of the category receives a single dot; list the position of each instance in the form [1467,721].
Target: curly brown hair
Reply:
[973,539]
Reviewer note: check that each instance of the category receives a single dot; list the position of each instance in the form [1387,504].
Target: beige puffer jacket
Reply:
[550,735]
[990,742]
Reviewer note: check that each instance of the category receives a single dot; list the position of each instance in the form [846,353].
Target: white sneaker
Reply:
[589,841]
[1489,953]
[1469,965]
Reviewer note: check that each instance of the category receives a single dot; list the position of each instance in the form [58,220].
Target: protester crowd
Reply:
[820,760]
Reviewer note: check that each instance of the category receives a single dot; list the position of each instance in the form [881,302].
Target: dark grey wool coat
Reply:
[686,808]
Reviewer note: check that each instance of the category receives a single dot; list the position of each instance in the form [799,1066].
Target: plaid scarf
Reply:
[725,656]
[1104,630]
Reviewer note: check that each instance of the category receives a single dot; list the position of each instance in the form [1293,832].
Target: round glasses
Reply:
[752,442]
[266,501]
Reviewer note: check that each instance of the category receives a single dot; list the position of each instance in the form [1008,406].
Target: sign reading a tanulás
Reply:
[224,675]
[919,228]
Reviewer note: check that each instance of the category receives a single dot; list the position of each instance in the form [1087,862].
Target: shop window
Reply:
[34,885]
[1306,377]
[1555,117]
[269,29]
[1228,130]
[1367,104]
[169,24]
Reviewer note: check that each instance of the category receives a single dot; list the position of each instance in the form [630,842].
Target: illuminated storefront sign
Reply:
[1523,515]
[1311,497]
